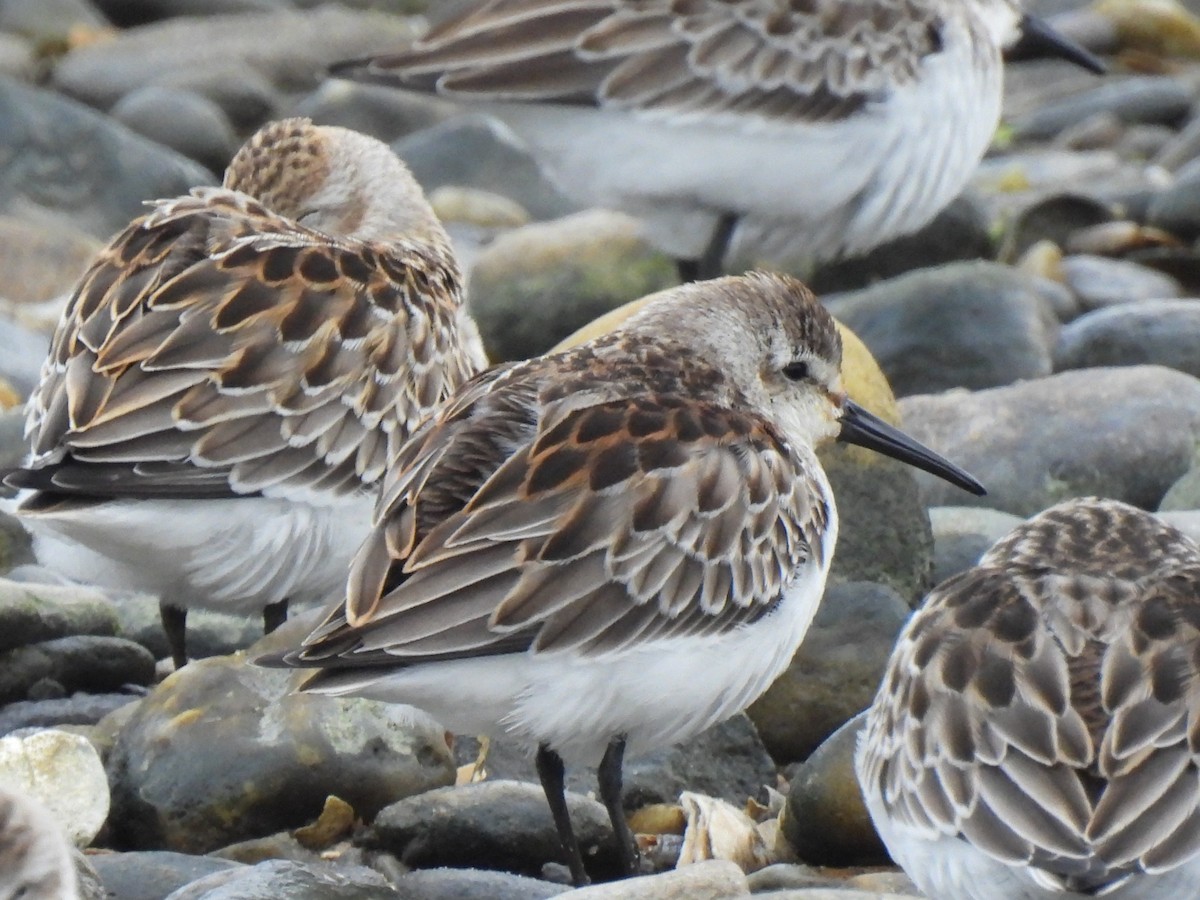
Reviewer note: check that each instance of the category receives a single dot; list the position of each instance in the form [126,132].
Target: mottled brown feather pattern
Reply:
[219,332]
[583,501]
[1045,705]
[780,61]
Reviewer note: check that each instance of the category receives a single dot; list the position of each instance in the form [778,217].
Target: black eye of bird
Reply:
[796,371]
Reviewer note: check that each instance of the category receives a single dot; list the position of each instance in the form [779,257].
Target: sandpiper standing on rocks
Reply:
[1037,733]
[612,547]
[234,370]
[826,125]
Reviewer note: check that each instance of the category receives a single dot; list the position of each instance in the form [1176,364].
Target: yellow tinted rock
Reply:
[864,380]
[1160,27]
[8,395]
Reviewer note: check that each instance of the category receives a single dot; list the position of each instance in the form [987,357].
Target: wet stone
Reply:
[63,159]
[826,820]
[502,825]
[1127,433]
[709,880]
[535,285]
[290,48]
[1177,208]
[474,884]
[477,151]
[962,534]
[222,752]
[63,771]
[1158,332]
[295,881]
[41,262]
[727,760]
[153,874]
[1143,99]
[1100,282]
[836,671]
[79,709]
[97,663]
[963,325]
[186,122]
[34,612]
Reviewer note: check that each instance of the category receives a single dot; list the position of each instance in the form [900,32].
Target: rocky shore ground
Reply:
[1044,332]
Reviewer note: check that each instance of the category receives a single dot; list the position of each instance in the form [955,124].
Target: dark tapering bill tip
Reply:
[1039,40]
[866,430]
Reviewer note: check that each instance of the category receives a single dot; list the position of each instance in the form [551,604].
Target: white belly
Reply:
[655,695]
[815,190]
[236,555]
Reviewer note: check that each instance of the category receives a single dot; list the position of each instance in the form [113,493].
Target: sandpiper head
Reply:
[333,180]
[781,355]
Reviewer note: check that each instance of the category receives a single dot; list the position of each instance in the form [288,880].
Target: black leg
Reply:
[550,771]
[688,269]
[608,777]
[174,623]
[274,615]
[711,263]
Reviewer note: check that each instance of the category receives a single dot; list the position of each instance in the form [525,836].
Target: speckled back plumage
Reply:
[535,502]
[780,61]
[219,345]
[1044,708]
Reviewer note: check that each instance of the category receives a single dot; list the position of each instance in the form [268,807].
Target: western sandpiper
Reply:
[1037,734]
[234,370]
[831,125]
[615,546]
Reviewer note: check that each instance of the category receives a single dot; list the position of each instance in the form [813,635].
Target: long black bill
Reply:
[1039,41]
[867,430]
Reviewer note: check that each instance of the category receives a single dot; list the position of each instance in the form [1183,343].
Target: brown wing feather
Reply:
[787,62]
[224,335]
[512,522]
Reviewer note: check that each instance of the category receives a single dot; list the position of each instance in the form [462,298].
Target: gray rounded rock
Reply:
[538,284]
[1177,209]
[474,884]
[1158,332]
[243,93]
[127,13]
[1054,219]
[79,709]
[41,262]
[969,325]
[478,151]
[958,232]
[1100,282]
[63,159]
[884,533]
[826,820]
[46,21]
[961,534]
[712,879]
[389,115]
[836,671]
[22,352]
[279,878]
[222,752]
[502,825]
[30,613]
[290,48]
[153,874]
[96,663]
[1142,99]
[185,122]
[1126,433]
[209,633]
